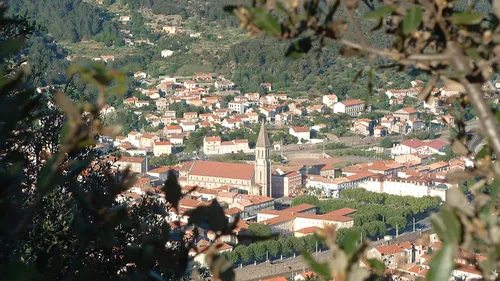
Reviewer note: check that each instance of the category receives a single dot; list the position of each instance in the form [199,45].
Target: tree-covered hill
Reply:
[69,20]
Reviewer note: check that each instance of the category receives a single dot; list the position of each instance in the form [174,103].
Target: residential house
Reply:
[134,138]
[302,133]
[285,183]
[170,29]
[162,104]
[237,106]
[108,58]
[130,101]
[362,126]
[177,139]
[172,130]
[268,87]
[162,148]
[161,173]
[166,53]
[190,85]
[136,164]
[166,87]
[191,116]
[188,126]
[124,19]
[148,139]
[224,85]
[141,103]
[199,76]
[391,255]
[330,100]
[407,113]
[252,96]
[140,75]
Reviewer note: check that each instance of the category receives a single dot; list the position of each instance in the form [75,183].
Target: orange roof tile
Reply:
[222,170]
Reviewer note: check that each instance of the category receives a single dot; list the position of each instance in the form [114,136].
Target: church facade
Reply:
[251,179]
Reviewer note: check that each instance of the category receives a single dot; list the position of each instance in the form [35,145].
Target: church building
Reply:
[251,179]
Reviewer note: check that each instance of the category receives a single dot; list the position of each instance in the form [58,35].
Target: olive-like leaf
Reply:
[467,18]
[441,265]
[380,12]
[265,21]
[412,20]
[319,268]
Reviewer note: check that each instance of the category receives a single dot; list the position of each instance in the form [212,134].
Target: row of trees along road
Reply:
[276,247]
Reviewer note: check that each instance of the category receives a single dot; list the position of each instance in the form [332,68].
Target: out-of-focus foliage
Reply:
[64,210]
[457,46]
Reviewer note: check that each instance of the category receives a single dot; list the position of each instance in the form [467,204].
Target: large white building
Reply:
[417,146]
[350,107]
[304,217]
[412,186]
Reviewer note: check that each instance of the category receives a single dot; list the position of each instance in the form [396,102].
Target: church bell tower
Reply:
[263,162]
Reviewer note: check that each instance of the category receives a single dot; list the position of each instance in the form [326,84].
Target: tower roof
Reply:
[263,139]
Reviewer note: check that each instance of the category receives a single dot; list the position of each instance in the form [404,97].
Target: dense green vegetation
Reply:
[275,248]
[359,152]
[210,11]
[70,20]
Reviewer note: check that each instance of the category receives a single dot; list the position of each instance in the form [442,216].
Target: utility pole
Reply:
[413,224]
[397,230]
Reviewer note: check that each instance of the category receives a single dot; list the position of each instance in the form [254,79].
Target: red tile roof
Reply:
[437,144]
[352,102]
[303,129]
[163,143]
[222,170]
[413,143]
[280,278]
[389,249]
[308,230]
[131,159]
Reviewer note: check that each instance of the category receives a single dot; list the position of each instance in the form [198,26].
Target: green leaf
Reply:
[350,242]
[298,48]
[380,12]
[265,21]
[320,268]
[441,265]
[439,227]
[485,151]
[377,265]
[412,20]
[452,224]
[467,18]
[65,131]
